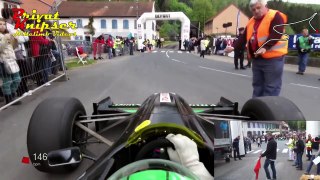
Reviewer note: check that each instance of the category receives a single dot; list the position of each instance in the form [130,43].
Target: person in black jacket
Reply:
[299,150]
[239,49]
[236,148]
[271,156]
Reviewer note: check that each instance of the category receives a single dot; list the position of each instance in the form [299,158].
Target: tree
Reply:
[202,10]
[297,125]
[90,26]
[168,30]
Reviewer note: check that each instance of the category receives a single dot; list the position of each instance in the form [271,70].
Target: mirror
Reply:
[66,156]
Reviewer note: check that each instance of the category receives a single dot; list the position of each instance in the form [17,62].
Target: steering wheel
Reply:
[158,143]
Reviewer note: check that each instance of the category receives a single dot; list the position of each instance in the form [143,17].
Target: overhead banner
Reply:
[293,39]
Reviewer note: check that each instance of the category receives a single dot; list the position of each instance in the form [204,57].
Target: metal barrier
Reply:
[40,61]
[44,62]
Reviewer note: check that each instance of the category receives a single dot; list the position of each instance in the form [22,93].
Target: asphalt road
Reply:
[243,169]
[131,79]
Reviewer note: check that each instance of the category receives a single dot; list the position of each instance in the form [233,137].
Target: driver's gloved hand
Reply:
[186,154]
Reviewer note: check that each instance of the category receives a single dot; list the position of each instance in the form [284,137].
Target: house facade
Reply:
[253,129]
[232,14]
[115,18]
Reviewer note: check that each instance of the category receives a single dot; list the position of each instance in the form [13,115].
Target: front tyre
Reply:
[52,127]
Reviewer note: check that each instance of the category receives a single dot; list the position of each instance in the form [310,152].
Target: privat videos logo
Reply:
[20,18]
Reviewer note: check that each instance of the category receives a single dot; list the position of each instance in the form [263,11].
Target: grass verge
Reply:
[168,43]
[73,63]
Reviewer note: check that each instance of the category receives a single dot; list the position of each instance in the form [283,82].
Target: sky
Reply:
[303,1]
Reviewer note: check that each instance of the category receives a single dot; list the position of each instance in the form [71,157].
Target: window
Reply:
[259,133]
[114,24]
[103,24]
[153,26]
[125,24]
[145,36]
[248,125]
[135,24]
[79,23]
[253,125]
[145,25]
[258,125]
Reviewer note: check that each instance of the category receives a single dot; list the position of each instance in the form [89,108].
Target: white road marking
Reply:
[154,51]
[163,51]
[250,151]
[302,85]
[179,52]
[224,71]
[257,151]
[171,51]
[187,51]
[285,150]
[167,54]
[178,61]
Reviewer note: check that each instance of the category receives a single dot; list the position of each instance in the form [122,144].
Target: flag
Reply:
[257,168]
[238,18]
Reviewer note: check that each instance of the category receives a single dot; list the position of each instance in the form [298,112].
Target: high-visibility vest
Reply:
[122,43]
[291,144]
[206,42]
[116,44]
[281,47]
[309,143]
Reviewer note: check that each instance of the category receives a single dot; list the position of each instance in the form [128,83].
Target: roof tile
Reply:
[102,9]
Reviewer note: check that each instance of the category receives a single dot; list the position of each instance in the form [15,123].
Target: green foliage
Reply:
[297,125]
[169,30]
[175,5]
[73,63]
[90,26]
[202,10]
[295,12]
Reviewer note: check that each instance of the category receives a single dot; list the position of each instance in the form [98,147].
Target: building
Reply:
[214,25]
[251,129]
[10,4]
[115,18]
